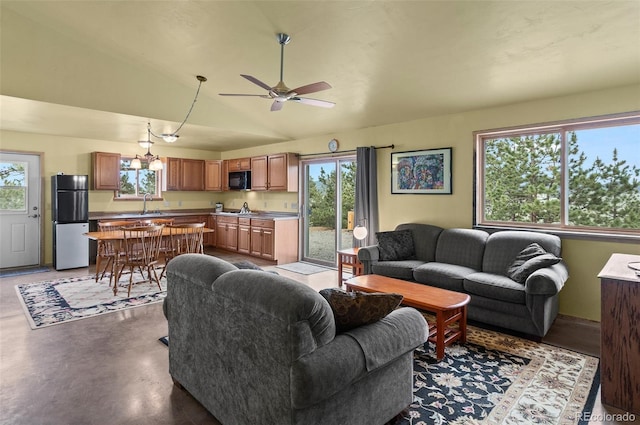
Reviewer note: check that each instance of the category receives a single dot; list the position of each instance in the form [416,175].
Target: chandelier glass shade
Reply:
[154,161]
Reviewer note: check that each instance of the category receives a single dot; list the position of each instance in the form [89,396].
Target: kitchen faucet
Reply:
[144,200]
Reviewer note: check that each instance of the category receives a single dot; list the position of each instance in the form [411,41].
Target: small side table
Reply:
[348,258]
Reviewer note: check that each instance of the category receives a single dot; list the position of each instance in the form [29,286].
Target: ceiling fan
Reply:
[280,93]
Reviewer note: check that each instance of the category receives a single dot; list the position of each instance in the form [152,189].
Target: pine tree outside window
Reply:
[135,183]
[581,176]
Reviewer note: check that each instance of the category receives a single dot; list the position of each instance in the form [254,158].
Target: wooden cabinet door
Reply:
[221,235]
[268,241]
[192,174]
[240,164]
[225,175]
[106,171]
[210,238]
[244,239]
[277,172]
[173,174]
[232,237]
[256,242]
[213,175]
[259,176]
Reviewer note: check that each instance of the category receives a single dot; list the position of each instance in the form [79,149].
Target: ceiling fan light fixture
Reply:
[280,93]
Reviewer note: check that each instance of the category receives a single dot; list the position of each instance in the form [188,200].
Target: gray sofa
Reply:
[476,262]
[258,348]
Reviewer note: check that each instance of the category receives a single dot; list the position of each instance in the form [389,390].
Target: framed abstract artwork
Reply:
[421,172]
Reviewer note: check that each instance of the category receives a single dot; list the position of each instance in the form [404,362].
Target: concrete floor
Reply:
[111,369]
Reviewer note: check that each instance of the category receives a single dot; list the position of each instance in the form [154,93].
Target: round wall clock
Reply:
[333,145]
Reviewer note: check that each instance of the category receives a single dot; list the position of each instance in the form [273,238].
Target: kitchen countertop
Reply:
[274,215]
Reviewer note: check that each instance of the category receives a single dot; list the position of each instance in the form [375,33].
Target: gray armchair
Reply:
[259,348]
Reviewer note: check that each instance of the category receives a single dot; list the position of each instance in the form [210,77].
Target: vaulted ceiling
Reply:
[101,69]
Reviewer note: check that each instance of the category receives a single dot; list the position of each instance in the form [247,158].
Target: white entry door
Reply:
[19,210]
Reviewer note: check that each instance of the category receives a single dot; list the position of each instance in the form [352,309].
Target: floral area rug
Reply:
[499,379]
[62,300]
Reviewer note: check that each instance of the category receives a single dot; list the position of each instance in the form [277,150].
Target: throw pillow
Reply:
[531,251]
[353,309]
[522,272]
[396,245]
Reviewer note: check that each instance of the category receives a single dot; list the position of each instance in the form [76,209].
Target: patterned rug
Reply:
[500,379]
[62,300]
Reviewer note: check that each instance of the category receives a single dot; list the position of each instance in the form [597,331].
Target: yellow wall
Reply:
[73,156]
[581,295]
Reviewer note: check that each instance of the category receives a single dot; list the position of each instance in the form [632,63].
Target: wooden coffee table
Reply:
[449,306]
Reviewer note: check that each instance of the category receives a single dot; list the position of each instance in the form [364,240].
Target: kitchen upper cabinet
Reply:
[277,172]
[283,172]
[193,174]
[185,174]
[106,171]
[213,175]
[225,175]
[259,172]
[240,164]
[173,173]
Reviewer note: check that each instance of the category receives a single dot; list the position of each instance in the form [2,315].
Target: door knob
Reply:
[35,216]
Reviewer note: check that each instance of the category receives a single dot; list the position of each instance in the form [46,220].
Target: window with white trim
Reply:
[135,183]
[578,176]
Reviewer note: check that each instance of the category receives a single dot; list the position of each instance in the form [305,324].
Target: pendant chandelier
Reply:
[173,136]
[154,161]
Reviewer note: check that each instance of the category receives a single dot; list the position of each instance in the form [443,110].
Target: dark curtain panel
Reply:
[366,213]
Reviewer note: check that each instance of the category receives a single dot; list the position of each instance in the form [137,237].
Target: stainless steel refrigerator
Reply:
[70,211]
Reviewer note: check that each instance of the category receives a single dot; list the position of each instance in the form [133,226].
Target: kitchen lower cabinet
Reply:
[275,240]
[244,235]
[227,233]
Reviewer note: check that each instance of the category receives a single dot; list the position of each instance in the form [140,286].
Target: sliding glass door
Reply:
[328,203]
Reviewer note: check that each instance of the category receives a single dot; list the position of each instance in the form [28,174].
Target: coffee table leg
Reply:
[463,325]
[440,335]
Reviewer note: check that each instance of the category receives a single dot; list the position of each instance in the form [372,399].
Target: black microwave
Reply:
[240,180]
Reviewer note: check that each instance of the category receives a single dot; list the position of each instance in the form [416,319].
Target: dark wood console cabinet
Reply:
[620,333]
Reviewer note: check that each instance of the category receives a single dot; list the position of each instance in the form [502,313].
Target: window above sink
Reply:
[135,183]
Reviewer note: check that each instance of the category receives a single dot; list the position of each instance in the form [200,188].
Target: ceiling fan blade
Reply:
[312,88]
[254,80]
[238,94]
[276,106]
[313,102]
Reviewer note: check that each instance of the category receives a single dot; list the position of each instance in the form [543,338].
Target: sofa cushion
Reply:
[425,239]
[520,272]
[494,286]
[397,269]
[396,245]
[354,309]
[442,275]
[503,247]
[464,247]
